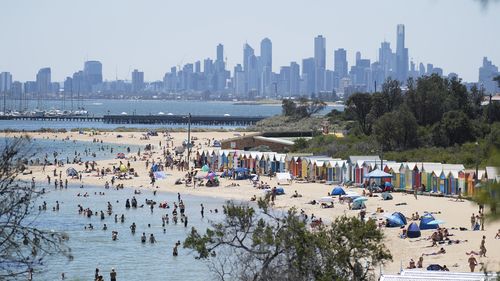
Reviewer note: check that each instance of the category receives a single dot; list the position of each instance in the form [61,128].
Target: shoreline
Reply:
[455,214]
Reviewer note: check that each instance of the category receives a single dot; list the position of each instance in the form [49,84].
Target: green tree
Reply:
[392,90]
[359,106]
[288,107]
[454,128]
[396,130]
[23,245]
[425,99]
[268,246]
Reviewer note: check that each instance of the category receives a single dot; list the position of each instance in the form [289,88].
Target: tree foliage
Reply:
[396,130]
[269,246]
[359,106]
[303,109]
[23,246]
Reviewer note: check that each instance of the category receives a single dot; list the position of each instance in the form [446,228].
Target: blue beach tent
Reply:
[425,220]
[337,191]
[413,230]
[401,216]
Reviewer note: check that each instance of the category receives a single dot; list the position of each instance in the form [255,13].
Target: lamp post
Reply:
[476,176]
[189,139]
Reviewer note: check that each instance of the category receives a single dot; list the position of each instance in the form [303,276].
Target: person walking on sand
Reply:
[472,221]
[482,248]
[481,220]
[415,191]
[472,263]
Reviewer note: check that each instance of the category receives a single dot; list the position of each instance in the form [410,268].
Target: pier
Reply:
[205,120]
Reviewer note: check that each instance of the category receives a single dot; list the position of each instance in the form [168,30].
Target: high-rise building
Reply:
[385,56]
[93,73]
[340,65]
[250,67]
[219,62]
[319,63]
[308,74]
[137,80]
[5,82]
[487,72]
[43,81]
[266,65]
[294,79]
[402,61]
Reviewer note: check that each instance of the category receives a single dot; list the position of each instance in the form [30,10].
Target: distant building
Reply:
[402,61]
[319,63]
[138,80]
[5,82]
[266,65]
[487,72]
[294,79]
[43,81]
[308,74]
[340,65]
[93,73]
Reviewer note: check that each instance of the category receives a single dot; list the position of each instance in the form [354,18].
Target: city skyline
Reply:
[125,41]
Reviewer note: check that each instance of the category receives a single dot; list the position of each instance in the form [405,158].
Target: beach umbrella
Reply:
[361,199]
[436,222]
[377,174]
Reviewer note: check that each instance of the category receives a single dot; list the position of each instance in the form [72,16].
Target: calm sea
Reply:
[131,259]
[140,107]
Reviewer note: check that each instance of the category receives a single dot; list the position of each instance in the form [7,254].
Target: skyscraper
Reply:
[43,80]
[137,80]
[340,65]
[266,65]
[219,62]
[308,74]
[5,82]
[294,79]
[385,58]
[401,55]
[487,72]
[250,69]
[93,73]
[319,63]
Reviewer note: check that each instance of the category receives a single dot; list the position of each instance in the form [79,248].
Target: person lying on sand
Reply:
[327,206]
[441,251]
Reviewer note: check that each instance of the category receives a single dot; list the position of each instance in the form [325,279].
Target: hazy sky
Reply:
[153,35]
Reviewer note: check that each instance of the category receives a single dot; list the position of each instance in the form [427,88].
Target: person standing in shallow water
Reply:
[112,275]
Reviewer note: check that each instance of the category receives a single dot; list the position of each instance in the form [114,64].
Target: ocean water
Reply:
[131,259]
[63,149]
[141,107]
[99,107]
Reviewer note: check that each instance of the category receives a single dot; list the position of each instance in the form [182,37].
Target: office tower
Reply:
[239,81]
[93,73]
[401,55]
[266,65]
[319,63]
[487,72]
[421,69]
[137,80]
[197,67]
[284,81]
[5,82]
[219,62]
[340,65]
[250,68]
[17,92]
[294,79]
[308,74]
[30,87]
[43,80]
[385,59]
[430,67]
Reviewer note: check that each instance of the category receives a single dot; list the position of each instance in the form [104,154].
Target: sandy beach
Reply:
[455,213]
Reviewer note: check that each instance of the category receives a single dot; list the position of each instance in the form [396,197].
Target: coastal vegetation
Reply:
[435,119]
[265,244]
[23,246]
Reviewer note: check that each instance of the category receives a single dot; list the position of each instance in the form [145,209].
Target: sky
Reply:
[154,35]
